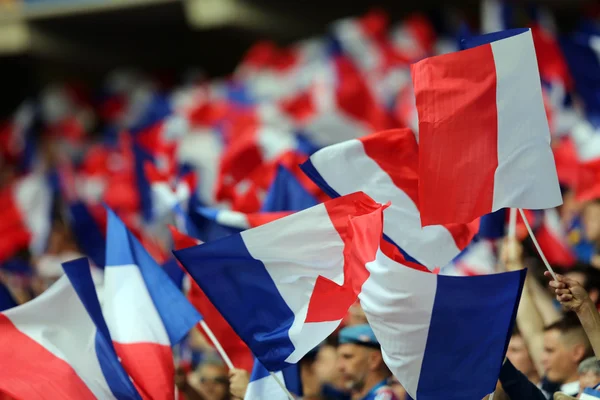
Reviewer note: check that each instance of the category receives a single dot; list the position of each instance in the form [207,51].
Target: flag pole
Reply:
[289,395]
[537,245]
[217,345]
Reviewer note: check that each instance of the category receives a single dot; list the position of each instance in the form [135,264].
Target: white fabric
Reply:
[59,322]
[128,308]
[347,169]
[526,175]
[33,196]
[393,313]
[233,219]
[294,262]
[266,388]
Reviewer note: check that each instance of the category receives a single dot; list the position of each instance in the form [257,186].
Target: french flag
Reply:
[414,316]
[240,221]
[234,347]
[26,208]
[286,193]
[299,289]
[57,346]
[384,165]
[552,239]
[484,107]
[263,386]
[479,258]
[145,312]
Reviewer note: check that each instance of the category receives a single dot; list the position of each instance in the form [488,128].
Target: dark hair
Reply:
[569,322]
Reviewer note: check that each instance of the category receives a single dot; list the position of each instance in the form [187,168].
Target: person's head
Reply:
[359,358]
[590,218]
[589,373]
[518,354]
[210,380]
[565,346]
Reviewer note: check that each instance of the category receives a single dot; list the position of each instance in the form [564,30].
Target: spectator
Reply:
[519,356]
[591,225]
[565,346]
[589,373]
[210,381]
[361,363]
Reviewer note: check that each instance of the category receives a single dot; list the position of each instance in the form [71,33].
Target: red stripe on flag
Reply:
[33,372]
[458,123]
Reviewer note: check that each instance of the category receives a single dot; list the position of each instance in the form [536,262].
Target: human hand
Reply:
[238,382]
[569,292]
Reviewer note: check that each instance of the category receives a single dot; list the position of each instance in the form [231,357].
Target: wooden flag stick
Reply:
[537,245]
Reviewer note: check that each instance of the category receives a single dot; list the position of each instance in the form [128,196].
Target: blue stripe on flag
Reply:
[241,288]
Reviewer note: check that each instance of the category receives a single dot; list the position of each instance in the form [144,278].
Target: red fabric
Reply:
[551,62]
[588,181]
[258,219]
[236,349]
[14,233]
[456,101]
[151,368]
[567,162]
[34,372]
[360,225]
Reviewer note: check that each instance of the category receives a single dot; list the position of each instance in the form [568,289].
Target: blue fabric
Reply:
[309,169]
[592,392]
[143,186]
[287,194]
[176,312]
[158,109]
[176,273]
[584,66]
[516,385]
[358,334]
[474,317]
[493,225]
[17,266]
[87,233]
[6,299]
[291,376]
[474,41]
[240,287]
[78,272]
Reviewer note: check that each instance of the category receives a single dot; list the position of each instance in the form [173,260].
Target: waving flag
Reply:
[238,221]
[300,291]
[145,312]
[263,386]
[414,315]
[287,194]
[56,346]
[234,347]
[385,166]
[25,214]
[483,106]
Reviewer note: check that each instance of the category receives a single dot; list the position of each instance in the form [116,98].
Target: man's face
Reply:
[591,221]
[557,358]
[588,380]
[213,383]
[353,364]
[518,355]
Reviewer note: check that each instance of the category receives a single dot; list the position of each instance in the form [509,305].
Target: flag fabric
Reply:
[56,346]
[479,258]
[145,312]
[6,299]
[263,386]
[415,315]
[552,239]
[26,207]
[283,286]
[483,106]
[590,394]
[234,347]
[238,220]
[384,165]
[286,193]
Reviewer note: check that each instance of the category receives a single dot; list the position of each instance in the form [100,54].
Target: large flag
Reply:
[284,286]
[263,386]
[57,346]
[145,312]
[384,165]
[484,107]
[441,336]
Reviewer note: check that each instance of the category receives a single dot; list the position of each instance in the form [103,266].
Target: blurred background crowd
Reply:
[167,124]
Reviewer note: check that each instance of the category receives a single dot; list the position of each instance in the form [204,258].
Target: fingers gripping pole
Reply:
[537,245]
